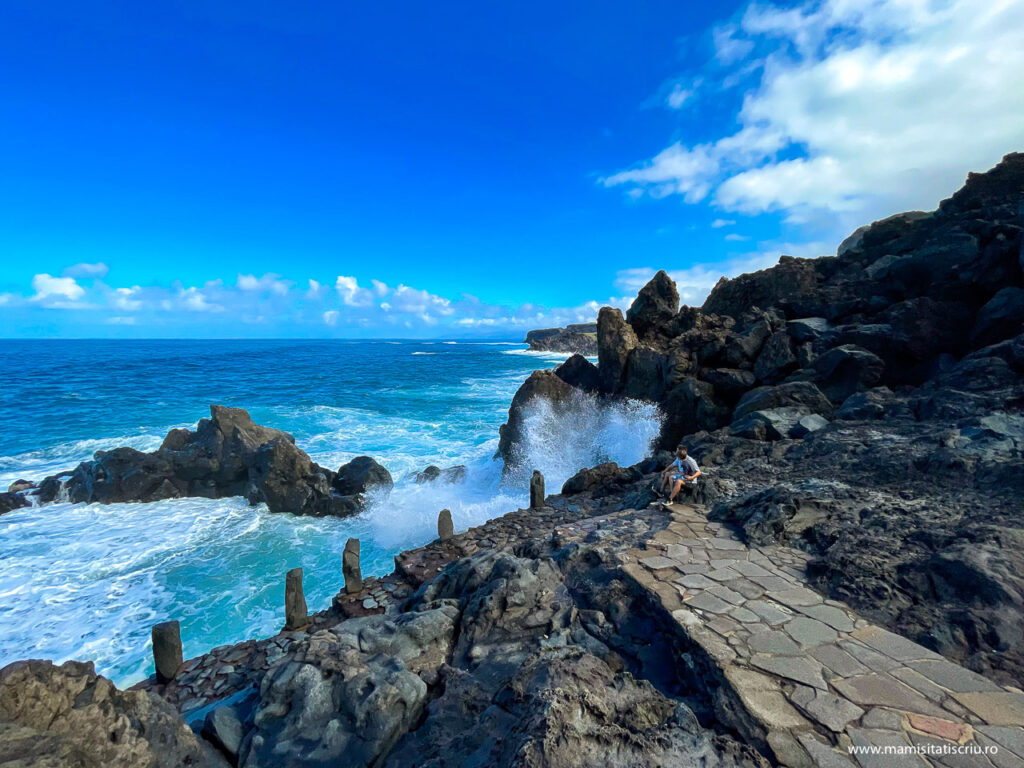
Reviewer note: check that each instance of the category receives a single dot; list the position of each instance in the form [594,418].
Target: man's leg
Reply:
[675,490]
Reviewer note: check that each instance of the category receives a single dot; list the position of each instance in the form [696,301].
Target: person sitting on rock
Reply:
[682,471]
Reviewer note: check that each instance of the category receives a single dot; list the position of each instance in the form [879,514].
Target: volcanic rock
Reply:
[69,716]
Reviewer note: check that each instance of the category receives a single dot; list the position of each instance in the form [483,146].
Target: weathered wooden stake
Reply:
[350,567]
[537,490]
[167,651]
[296,614]
[445,527]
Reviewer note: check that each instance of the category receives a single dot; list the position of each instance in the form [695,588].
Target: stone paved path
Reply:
[806,677]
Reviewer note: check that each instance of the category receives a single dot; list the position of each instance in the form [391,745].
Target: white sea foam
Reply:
[34,465]
[424,353]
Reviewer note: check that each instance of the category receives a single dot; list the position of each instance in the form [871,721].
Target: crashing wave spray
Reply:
[557,440]
[561,439]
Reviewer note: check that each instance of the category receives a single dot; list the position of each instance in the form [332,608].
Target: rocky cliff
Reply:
[865,407]
[580,339]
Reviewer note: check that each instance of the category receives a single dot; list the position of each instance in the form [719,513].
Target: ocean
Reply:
[87,582]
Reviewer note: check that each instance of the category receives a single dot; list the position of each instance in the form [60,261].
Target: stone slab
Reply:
[797,668]
[809,632]
[952,676]
[892,645]
[769,612]
[709,602]
[880,690]
[827,614]
[838,660]
[776,643]
[1002,708]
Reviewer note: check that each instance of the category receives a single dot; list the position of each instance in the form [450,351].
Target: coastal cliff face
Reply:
[578,339]
[865,407]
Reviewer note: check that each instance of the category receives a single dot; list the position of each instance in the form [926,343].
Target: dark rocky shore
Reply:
[848,572]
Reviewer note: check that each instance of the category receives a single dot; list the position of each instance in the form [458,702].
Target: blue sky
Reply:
[463,169]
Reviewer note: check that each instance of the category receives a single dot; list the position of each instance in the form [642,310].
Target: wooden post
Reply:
[296,614]
[350,567]
[167,651]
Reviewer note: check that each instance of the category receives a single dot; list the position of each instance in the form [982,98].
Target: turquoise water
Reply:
[88,581]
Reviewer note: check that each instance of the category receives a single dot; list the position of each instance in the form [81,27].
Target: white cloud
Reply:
[734,237]
[414,301]
[719,223]
[97,270]
[675,170]
[120,320]
[331,317]
[379,288]
[859,109]
[269,283]
[195,300]
[47,287]
[678,96]
[124,298]
[351,294]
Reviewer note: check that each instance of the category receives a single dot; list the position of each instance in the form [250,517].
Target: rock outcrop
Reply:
[69,717]
[580,339]
[227,455]
[866,407]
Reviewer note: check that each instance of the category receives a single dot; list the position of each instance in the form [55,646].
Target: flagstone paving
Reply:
[806,677]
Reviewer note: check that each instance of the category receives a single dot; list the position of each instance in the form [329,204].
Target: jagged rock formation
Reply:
[866,407]
[69,717]
[580,339]
[227,455]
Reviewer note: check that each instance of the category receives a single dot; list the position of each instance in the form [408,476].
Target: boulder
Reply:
[227,455]
[647,374]
[593,477]
[776,358]
[770,424]
[807,328]
[70,716]
[579,372]
[875,403]
[805,425]
[223,728]
[846,369]
[10,501]
[348,695]
[361,475]
[655,305]
[796,394]
[788,283]
[1002,317]
[615,340]
[690,407]
[455,474]
[730,383]
[541,385]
